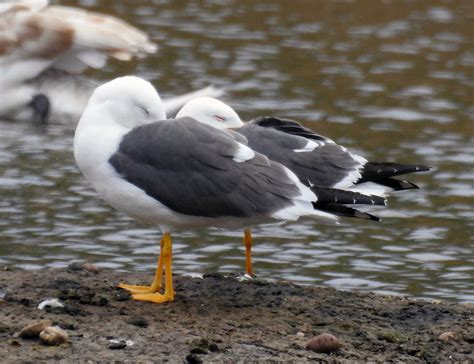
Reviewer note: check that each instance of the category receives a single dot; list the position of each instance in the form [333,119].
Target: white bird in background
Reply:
[45,48]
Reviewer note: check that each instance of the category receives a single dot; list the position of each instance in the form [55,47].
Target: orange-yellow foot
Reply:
[139,289]
[153,297]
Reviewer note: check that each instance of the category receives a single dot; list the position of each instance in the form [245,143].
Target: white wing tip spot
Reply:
[243,154]
[309,147]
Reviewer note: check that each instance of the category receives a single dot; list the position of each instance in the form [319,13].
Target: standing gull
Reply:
[315,159]
[180,174]
[45,48]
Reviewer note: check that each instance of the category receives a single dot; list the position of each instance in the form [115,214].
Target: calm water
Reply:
[392,80]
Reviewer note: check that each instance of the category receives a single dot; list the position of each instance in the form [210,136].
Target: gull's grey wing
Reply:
[328,164]
[316,160]
[195,169]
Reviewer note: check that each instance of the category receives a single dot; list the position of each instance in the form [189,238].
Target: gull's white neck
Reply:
[97,138]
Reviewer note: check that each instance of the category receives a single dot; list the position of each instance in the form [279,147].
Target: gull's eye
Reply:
[144,110]
[219,118]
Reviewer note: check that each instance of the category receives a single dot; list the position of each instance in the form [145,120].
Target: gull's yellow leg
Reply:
[169,291]
[248,252]
[155,286]
[167,254]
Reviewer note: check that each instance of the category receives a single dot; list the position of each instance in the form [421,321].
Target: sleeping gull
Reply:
[45,48]
[315,159]
[181,174]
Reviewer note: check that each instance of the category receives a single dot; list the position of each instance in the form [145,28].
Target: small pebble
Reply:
[117,344]
[75,267]
[447,336]
[198,350]
[139,321]
[469,337]
[90,268]
[54,335]
[193,359]
[4,327]
[99,301]
[122,296]
[14,342]
[25,302]
[300,334]
[33,330]
[214,348]
[324,343]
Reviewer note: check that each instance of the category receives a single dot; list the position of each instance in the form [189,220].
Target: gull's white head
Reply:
[210,111]
[128,101]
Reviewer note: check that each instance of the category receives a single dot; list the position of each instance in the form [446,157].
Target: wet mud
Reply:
[219,318]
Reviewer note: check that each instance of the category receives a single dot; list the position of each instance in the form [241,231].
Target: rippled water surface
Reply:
[393,80]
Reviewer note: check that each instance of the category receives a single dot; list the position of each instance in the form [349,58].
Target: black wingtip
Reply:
[345,197]
[365,215]
[396,184]
[341,210]
[375,171]
[288,126]
[423,168]
[412,186]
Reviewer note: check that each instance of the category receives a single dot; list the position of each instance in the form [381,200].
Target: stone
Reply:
[214,348]
[54,335]
[14,342]
[118,344]
[139,321]
[198,350]
[75,267]
[90,268]
[33,330]
[447,336]
[193,359]
[324,343]
[394,337]
[4,327]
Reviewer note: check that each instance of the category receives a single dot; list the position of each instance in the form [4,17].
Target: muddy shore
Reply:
[220,319]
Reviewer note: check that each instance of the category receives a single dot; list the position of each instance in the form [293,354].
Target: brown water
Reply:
[392,80]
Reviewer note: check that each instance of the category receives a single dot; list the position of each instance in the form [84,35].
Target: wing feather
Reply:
[190,168]
[325,164]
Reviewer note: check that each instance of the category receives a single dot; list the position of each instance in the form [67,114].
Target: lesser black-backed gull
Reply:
[181,174]
[315,159]
[44,49]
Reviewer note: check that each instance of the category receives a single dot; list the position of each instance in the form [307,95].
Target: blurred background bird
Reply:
[44,49]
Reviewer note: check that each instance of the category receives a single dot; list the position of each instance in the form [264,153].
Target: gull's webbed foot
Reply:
[150,293]
[139,289]
[154,297]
